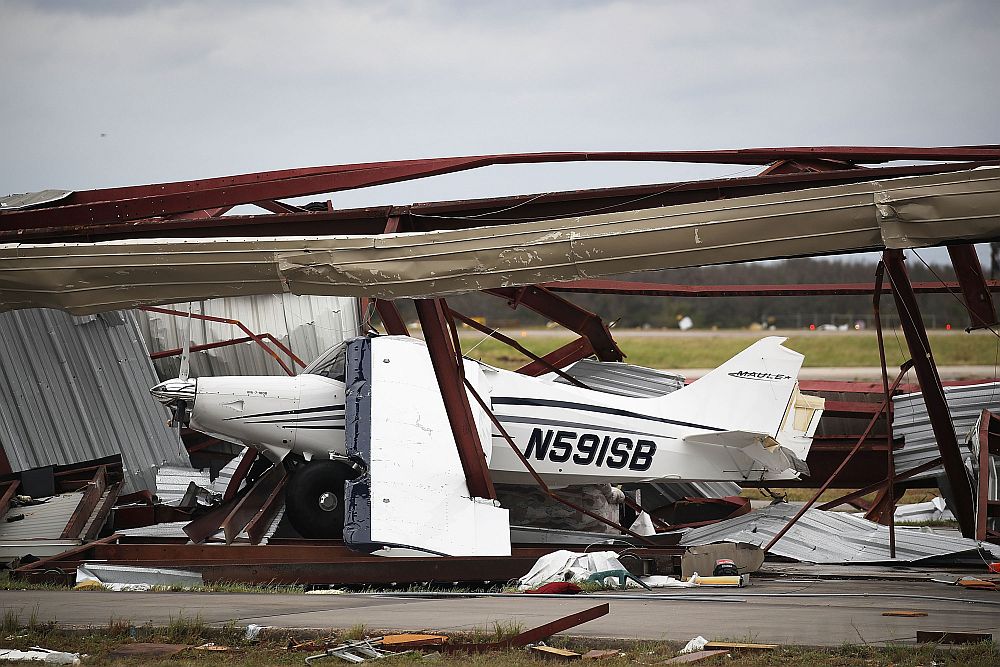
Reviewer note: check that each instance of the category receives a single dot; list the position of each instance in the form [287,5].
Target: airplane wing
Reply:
[414,495]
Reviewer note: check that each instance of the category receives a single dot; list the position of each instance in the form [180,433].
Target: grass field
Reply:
[290,647]
[672,350]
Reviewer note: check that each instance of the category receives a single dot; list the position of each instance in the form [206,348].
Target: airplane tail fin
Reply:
[750,392]
[755,392]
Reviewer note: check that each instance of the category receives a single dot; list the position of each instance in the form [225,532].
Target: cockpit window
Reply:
[330,364]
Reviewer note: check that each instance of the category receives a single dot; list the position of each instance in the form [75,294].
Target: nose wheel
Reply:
[314,499]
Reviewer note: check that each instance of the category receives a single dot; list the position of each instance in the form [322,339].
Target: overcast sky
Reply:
[121,92]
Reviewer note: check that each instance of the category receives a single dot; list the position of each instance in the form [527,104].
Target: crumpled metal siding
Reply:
[74,389]
[832,537]
[623,379]
[910,420]
[909,212]
[308,325]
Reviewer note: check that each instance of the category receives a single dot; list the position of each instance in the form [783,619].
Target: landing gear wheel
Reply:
[314,499]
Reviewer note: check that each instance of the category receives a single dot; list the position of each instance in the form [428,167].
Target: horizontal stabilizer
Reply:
[760,449]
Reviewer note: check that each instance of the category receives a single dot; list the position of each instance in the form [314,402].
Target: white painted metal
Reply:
[416,485]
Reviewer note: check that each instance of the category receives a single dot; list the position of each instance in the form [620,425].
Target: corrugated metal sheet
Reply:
[623,379]
[832,537]
[74,389]
[308,325]
[45,521]
[674,491]
[910,421]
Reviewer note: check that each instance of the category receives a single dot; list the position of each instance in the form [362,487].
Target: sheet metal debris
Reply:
[74,389]
[909,212]
[910,420]
[835,537]
[132,578]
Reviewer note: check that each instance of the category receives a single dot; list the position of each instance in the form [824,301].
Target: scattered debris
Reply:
[696,656]
[835,537]
[413,640]
[904,613]
[556,588]
[553,652]
[696,644]
[704,558]
[212,646]
[978,584]
[252,632]
[601,654]
[562,566]
[38,654]
[534,634]
[355,652]
[731,646]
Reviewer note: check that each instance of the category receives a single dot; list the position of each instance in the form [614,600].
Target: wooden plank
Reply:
[731,646]
[553,653]
[904,613]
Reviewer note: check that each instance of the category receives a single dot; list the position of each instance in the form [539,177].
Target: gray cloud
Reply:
[192,89]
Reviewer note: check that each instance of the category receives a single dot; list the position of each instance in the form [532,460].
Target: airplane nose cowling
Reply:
[175,390]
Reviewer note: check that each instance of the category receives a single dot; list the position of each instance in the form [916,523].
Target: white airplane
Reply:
[744,420]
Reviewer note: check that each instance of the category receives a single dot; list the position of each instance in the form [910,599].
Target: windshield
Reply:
[329,364]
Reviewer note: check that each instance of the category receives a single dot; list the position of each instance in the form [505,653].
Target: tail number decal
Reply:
[590,449]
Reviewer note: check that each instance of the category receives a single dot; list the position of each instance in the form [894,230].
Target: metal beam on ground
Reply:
[930,385]
[444,359]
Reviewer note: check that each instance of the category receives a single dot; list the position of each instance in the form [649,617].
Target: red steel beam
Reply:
[975,289]
[933,392]
[570,353]
[391,319]
[146,201]
[630,288]
[565,313]
[463,213]
[449,374]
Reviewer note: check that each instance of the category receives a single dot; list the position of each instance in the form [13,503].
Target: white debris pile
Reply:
[39,654]
[580,567]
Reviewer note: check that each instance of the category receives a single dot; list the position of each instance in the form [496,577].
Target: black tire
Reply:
[306,488]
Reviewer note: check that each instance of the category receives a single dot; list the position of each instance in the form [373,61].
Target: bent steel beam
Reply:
[975,289]
[449,375]
[930,385]
[565,313]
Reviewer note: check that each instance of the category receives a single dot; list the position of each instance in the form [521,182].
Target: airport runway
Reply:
[768,611]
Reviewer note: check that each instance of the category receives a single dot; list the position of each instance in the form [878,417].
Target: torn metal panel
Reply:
[308,325]
[123,577]
[894,213]
[40,531]
[910,420]
[834,537]
[75,389]
[31,199]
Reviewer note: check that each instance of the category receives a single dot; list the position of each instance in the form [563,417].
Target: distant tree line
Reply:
[938,310]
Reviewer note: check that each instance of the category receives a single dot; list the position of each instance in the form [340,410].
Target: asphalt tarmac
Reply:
[799,611]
